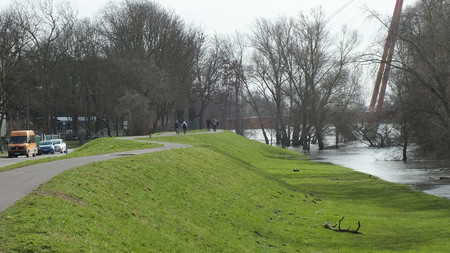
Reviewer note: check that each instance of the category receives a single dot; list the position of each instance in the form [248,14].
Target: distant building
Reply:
[65,124]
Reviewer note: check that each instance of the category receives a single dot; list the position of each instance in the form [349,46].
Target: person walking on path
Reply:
[176,125]
[208,124]
[184,127]
[215,124]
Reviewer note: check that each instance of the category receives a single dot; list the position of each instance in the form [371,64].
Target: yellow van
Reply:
[22,142]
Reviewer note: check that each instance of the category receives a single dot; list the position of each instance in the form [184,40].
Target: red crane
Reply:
[385,64]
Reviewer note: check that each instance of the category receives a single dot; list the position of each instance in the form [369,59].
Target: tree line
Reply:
[140,63]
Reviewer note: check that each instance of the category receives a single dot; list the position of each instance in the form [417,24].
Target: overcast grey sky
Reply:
[228,16]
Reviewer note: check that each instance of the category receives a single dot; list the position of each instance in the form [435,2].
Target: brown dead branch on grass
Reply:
[339,229]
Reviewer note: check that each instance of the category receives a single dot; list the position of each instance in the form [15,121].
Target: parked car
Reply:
[46,147]
[60,145]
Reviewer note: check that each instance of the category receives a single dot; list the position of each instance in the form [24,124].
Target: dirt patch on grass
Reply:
[61,195]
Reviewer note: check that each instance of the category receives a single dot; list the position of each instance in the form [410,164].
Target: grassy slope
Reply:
[226,194]
[109,145]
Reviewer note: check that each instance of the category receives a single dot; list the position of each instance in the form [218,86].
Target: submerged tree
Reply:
[306,72]
[423,54]
[271,40]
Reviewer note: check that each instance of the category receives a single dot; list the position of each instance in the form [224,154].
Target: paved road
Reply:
[18,183]
[4,160]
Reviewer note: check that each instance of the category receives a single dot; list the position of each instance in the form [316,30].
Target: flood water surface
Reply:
[427,175]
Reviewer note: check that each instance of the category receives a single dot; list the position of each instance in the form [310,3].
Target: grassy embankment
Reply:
[94,147]
[226,194]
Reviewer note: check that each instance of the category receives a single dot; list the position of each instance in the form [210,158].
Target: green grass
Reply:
[73,144]
[226,194]
[94,147]
[110,145]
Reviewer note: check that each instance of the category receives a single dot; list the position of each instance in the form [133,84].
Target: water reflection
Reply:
[429,176]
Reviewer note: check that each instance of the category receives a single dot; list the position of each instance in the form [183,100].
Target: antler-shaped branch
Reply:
[339,229]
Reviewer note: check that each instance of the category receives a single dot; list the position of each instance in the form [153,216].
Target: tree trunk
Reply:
[296,136]
[305,135]
[237,120]
[117,125]
[261,124]
[75,123]
[320,140]
[200,125]
[405,146]
[266,139]
[296,132]
[278,136]
[337,138]
[405,143]
[285,138]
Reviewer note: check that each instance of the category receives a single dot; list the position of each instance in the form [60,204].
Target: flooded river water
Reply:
[427,175]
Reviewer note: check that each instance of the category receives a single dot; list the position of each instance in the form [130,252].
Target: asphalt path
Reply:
[4,160]
[18,183]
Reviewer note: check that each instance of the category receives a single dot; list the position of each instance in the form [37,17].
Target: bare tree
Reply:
[162,51]
[233,56]
[82,73]
[423,53]
[402,111]
[345,107]
[270,40]
[260,104]
[47,26]
[13,45]
[209,71]
[306,74]
[322,72]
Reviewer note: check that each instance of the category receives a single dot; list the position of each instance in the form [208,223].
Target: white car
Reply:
[60,145]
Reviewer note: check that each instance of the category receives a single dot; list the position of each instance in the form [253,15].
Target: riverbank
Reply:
[227,193]
[426,175]
[421,173]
